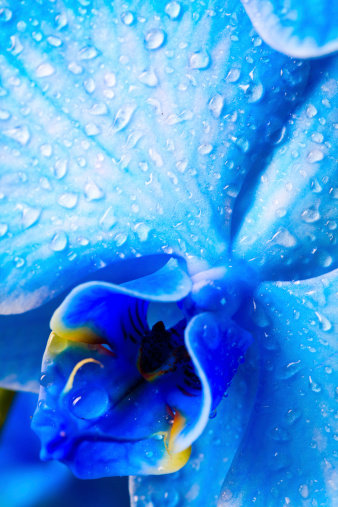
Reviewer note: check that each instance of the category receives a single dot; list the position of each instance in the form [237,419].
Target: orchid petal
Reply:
[109,160]
[216,345]
[296,28]
[289,451]
[96,310]
[92,403]
[288,230]
[199,482]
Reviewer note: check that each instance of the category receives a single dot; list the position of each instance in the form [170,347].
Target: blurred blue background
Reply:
[25,481]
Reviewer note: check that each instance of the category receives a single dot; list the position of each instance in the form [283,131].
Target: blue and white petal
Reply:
[289,452]
[142,121]
[296,28]
[289,221]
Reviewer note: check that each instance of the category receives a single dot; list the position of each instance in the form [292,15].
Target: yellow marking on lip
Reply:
[177,427]
[76,368]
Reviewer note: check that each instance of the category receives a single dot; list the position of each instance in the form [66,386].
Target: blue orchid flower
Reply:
[130,130]
[93,407]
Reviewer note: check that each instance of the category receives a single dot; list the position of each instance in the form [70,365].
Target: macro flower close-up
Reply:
[169,259]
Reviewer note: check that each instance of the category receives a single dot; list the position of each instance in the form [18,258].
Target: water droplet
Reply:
[93,192]
[311,215]
[173,10]
[88,53]
[120,239]
[199,60]
[292,416]
[148,78]
[179,118]
[19,134]
[90,403]
[99,109]
[45,70]
[314,386]
[68,200]
[5,15]
[213,414]
[59,242]
[154,39]
[46,150]
[290,370]
[75,68]
[60,168]
[4,115]
[216,105]
[127,18]
[30,215]
[110,79]
[19,262]
[16,46]
[233,75]
[3,229]
[311,111]
[304,491]
[92,129]
[284,238]
[315,156]
[317,137]
[205,149]
[54,41]
[149,454]
[89,85]
[325,324]
[123,117]
[142,231]
[254,93]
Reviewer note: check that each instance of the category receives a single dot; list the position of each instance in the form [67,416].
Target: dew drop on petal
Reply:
[154,39]
[315,156]
[148,78]
[216,105]
[5,15]
[127,18]
[4,115]
[60,168]
[3,229]
[90,403]
[68,200]
[123,117]
[45,70]
[199,60]
[93,192]
[59,242]
[20,134]
[173,10]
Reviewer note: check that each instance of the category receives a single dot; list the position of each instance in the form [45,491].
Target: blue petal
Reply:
[289,452]
[99,416]
[288,231]
[96,311]
[112,147]
[216,345]
[198,483]
[296,28]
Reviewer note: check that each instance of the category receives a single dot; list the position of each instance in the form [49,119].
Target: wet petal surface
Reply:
[289,224]
[290,448]
[140,128]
